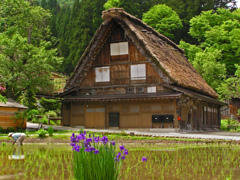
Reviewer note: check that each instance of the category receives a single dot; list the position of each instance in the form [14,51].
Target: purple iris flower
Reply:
[113,143]
[96,151]
[86,144]
[89,140]
[121,147]
[104,140]
[96,139]
[87,149]
[72,144]
[125,151]
[73,135]
[144,159]
[77,148]
[92,149]
[118,155]
[73,138]
[123,157]
[81,137]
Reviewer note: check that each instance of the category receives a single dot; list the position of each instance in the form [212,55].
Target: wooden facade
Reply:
[7,112]
[120,82]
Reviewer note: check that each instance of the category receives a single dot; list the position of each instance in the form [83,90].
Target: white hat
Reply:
[10,134]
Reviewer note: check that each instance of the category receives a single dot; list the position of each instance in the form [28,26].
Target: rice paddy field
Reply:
[165,161]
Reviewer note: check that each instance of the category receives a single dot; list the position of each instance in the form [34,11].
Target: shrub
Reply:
[51,114]
[50,104]
[1,130]
[27,133]
[10,129]
[50,130]
[31,114]
[123,133]
[44,120]
[42,133]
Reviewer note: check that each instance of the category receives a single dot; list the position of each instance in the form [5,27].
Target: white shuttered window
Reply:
[119,48]
[102,74]
[138,72]
[151,89]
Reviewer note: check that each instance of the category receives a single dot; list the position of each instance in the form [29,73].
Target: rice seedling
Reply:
[165,161]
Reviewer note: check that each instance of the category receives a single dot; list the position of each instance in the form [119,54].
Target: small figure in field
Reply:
[18,138]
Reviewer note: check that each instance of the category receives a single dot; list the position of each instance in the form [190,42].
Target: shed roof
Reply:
[164,55]
[12,104]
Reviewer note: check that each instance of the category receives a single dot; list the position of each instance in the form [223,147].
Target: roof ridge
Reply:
[113,12]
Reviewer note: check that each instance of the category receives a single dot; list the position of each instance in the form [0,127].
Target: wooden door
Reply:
[95,118]
[113,119]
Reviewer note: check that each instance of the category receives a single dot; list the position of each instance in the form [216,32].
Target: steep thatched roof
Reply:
[164,55]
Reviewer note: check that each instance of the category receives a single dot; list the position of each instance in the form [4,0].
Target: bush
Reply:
[50,104]
[50,130]
[10,129]
[31,115]
[51,114]
[27,133]
[2,130]
[44,120]
[42,133]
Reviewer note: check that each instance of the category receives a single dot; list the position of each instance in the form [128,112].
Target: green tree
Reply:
[30,100]
[134,7]
[84,20]
[219,30]
[206,63]
[25,66]
[26,59]
[230,88]
[50,104]
[163,19]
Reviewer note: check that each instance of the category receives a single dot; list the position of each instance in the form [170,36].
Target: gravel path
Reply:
[217,135]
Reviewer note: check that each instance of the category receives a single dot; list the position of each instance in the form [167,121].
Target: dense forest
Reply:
[51,35]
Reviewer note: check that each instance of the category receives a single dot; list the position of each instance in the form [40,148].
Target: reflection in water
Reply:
[17,153]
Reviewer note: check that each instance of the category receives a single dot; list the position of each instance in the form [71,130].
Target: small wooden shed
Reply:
[7,111]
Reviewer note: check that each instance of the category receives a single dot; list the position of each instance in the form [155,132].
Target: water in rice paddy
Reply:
[165,161]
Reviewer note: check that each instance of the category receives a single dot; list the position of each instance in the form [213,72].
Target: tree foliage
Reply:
[163,19]
[79,26]
[50,104]
[219,30]
[26,59]
[230,88]
[134,7]
[206,63]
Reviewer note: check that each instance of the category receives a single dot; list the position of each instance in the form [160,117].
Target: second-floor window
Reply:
[152,89]
[119,48]
[102,74]
[138,72]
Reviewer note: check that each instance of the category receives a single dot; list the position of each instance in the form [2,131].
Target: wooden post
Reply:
[48,120]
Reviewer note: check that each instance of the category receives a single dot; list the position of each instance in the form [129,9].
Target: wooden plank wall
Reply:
[77,115]
[119,69]
[66,114]
[131,114]
[5,118]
